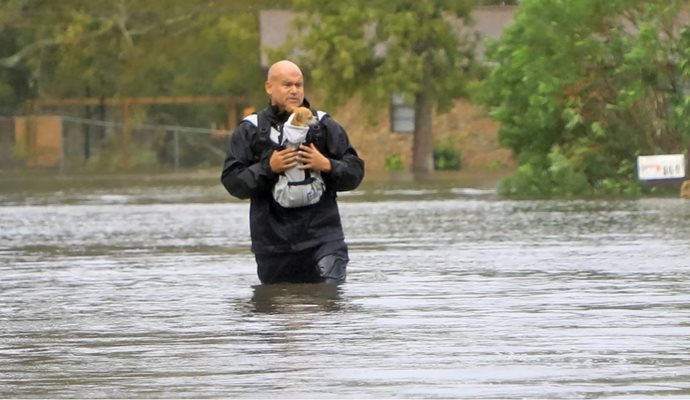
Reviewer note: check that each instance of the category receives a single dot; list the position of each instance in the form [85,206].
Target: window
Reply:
[402,115]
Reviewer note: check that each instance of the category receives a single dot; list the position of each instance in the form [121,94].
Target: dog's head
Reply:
[302,116]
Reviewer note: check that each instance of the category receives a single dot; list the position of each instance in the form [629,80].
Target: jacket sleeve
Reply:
[246,173]
[347,169]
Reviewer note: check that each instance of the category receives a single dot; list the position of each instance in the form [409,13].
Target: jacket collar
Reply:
[276,116]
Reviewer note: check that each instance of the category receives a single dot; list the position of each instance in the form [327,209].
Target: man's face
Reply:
[286,88]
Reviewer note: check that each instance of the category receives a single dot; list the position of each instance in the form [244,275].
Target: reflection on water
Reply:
[152,292]
[296,298]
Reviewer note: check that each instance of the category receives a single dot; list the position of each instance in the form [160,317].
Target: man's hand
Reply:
[283,159]
[310,157]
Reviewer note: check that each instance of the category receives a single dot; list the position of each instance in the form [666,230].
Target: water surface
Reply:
[149,290]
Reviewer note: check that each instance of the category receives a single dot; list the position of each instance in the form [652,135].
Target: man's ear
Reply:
[268,87]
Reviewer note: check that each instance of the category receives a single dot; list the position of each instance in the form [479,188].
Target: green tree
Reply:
[583,87]
[378,48]
[73,48]
[14,82]
[122,48]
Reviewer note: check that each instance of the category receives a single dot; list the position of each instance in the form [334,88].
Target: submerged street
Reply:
[151,291]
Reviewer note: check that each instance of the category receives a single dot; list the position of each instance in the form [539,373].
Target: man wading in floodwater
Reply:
[295,225]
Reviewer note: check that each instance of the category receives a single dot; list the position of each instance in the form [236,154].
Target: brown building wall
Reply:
[465,127]
[374,142]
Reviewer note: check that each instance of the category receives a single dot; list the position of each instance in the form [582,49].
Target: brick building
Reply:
[466,127]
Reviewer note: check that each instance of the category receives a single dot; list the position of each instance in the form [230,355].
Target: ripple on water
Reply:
[466,296]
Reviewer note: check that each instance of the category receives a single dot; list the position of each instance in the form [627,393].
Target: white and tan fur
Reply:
[302,116]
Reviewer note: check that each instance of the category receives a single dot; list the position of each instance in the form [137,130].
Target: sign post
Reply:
[659,167]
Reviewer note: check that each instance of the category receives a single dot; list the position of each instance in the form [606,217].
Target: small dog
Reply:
[303,116]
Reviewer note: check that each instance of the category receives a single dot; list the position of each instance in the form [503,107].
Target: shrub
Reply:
[447,158]
[393,163]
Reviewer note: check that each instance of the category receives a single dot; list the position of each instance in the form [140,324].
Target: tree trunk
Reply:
[423,144]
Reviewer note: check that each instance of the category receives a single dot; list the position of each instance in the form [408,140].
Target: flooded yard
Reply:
[149,290]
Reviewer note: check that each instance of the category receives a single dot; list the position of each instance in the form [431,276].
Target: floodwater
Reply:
[148,290]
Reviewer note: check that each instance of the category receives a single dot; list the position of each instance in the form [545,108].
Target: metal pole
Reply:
[176,150]
[63,143]
[126,136]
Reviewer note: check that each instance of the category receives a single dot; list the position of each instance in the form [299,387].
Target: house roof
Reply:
[489,22]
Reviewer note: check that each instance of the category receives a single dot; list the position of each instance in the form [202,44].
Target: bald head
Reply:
[282,67]
[285,85]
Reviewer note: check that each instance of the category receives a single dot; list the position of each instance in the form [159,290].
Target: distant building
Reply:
[466,126]
[489,22]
